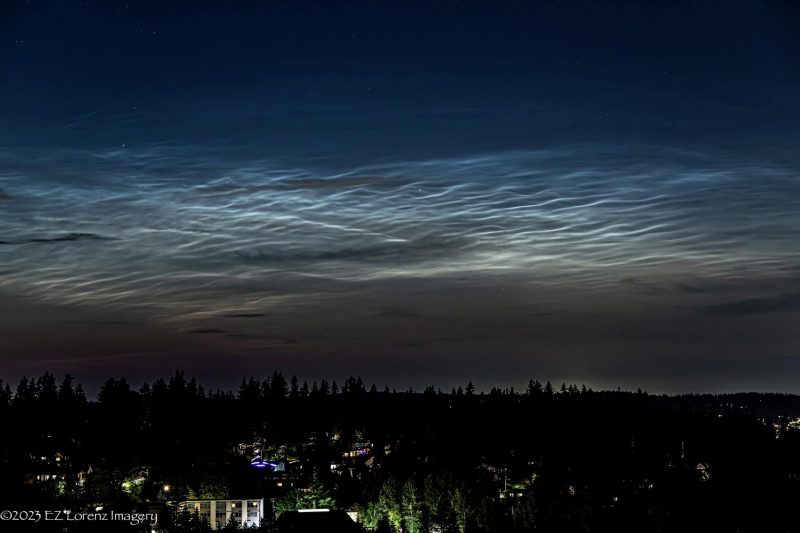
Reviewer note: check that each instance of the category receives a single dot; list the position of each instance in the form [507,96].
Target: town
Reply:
[281,455]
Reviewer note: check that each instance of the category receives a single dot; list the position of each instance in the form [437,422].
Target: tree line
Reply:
[546,458]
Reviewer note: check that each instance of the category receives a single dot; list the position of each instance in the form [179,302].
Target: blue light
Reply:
[258,463]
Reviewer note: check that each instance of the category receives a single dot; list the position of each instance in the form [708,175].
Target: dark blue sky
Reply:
[405,77]
[414,191]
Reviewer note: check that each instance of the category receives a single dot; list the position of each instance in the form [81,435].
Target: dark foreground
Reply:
[173,457]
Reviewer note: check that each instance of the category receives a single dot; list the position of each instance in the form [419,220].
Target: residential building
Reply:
[249,513]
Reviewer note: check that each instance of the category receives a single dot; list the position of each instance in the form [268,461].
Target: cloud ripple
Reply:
[191,234]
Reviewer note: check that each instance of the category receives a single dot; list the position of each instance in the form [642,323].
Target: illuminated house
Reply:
[49,467]
[703,471]
[358,449]
[249,513]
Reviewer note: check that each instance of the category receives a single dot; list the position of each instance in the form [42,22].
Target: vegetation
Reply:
[546,459]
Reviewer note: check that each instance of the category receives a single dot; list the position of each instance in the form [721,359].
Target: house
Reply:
[249,513]
[703,471]
[47,467]
[358,449]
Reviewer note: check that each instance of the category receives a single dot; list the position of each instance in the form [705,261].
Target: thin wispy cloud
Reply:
[755,306]
[583,217]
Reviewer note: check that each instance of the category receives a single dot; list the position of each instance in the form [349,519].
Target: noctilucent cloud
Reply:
[416,192]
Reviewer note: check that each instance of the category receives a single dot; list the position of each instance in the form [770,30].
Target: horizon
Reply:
[137,385]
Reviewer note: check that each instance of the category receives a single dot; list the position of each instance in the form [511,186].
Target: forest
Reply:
[547,458]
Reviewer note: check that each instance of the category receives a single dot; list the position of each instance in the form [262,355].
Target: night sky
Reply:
[416,192]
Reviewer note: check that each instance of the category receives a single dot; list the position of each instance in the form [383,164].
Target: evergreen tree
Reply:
[389,503]
[460,506]
[411,508]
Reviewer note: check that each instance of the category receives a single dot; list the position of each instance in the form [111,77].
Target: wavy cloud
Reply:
[190,236]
